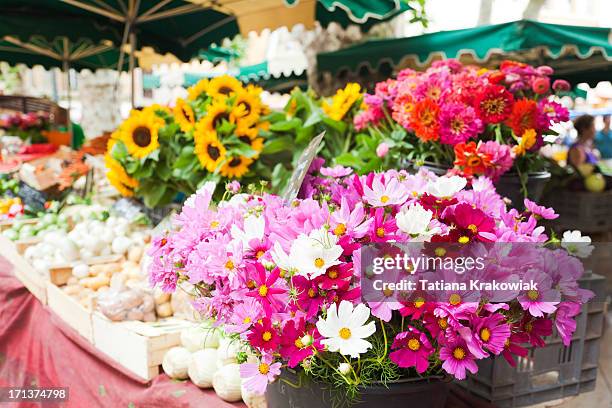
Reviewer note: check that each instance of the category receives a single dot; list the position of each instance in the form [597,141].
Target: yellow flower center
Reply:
[319,262]
[264,368]
[298,343]
[311,292]
[332,274]
[507,343]
[380,232]
[463,240]
[443,323]
[533,294]
[414,344]
[229,265]
[454,299]
[345,333]
[384,199]
[340,229]
[387,292]
[281,273]
[247,320]
[259,254]
[473,228]
[459,353]
[529,327]
[263,291]
[266,336]
[473,161]
[440,251]
[485,334]
[214,224]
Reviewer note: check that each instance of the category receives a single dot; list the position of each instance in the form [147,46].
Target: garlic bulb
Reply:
[199,337]
[227,351]
[227,382]
[203,367]
[253,400]
[176,362]
[80,271]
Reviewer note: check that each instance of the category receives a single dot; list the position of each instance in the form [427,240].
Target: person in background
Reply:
[603,139]
[583,151]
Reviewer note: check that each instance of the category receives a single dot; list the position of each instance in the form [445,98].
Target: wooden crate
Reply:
[31,279]
[59,274]
[137,346]
[70,311]
[23,244]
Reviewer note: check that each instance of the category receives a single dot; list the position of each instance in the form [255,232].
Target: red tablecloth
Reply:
[37,348]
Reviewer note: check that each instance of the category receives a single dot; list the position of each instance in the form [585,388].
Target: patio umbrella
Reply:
[565,48]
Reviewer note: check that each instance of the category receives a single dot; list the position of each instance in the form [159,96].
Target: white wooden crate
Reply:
[70,311]
[31,279]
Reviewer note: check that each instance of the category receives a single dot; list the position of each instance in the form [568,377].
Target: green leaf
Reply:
[347,159]
[338,125]
[304,135]
[132,166]
[119,151]
[277,145]
[285,125]
[314,118]
[152,196]
[185,158]
[167,132]
[163,171]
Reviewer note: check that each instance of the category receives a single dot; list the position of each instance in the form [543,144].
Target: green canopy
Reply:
[563,47]
[215,54]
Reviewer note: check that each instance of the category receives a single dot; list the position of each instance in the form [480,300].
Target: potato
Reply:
[164,310]
[73,280]
[135,253]
[71,290]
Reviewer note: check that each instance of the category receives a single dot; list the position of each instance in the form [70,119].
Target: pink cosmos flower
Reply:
[382,229]
[336,171]
[540,211]
[336,277]
[565,320]
[308,298]
[292,342]
[457,358]
[541,300]
[383,192]
[233,186]
[258,375]
[266,290]
[487,334]
[351,222]
[264,336]
[244,315]
[512,348]
[458,123]
[412,349]
[535,329]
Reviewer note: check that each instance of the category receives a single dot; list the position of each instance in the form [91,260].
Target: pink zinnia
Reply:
[412,349]
[258,375]
[551,112]
[457,359]
[500,158]
[458,123]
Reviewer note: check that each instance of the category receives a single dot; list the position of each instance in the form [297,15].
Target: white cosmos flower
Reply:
[577,244]
[413,219]
[207,188]
[280,257]
[311,255]
[254,227]
[446,186]
[345,329]
[392,192]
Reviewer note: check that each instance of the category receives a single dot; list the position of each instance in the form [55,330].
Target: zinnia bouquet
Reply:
[478,121]
[28,126]
[217,134]
[284,278]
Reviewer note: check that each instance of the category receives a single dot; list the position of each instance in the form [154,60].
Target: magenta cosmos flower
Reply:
[264,336]
[541,300]
[258,375]
[487,334]
[458,123]
[540,211]
[565,320]
[457,358]
[298,342]
[512,348]
[412,349]
[265,289]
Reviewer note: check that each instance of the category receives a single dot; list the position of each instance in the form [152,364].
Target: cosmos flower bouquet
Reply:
[216,134]
[477,121]
[287,280]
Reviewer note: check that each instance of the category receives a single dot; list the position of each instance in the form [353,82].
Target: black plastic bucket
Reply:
[509,186]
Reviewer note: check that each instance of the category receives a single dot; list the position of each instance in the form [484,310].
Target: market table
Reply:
[37,348]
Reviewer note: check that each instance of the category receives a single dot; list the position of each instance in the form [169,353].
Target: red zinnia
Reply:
[524,116]
[470,160]
[424,120]
[494,104]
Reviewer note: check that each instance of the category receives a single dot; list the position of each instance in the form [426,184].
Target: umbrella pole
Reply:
[132,68]
[66,67]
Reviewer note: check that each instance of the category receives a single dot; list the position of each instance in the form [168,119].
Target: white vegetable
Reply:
[107,235]
[31,252]
[68,249]
[86,254]
[80,271]
[227,351]
[198,337]
[121,245]
[253,400]
[202,367]
[176,362]
[226,383]
[41,265]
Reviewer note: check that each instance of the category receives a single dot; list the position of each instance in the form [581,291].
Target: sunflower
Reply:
[247,107]
[209,149]
[184,116]
[195,91]
[216,113]
[224,85]
[116,135]
[156,109]
[118,177]
[139,133]
[236,167]
[342,101]
[248,135]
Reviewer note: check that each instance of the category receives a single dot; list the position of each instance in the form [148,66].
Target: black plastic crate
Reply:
[550,372]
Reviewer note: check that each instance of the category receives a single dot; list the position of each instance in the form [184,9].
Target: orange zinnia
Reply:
[424,120]
[524,116]
[470,160]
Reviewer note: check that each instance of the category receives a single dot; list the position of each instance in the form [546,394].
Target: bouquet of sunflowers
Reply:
[217,134]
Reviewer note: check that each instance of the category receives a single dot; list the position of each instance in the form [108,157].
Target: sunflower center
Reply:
[298,343]
[454,299]
[345,333]
[229,264]
[266,336]
[380,232]
[187,114]
[384,199]
[459,353]
[533,294]
[245,139]
[246,106]
[443,323]
[264,368]
[332,274]
[142,136]
[493,106]
[473,228]
[263,291]
[414,344]
[340,229]
[225,90]
[319,262]
[235,162]
[485,334]
[219,118]
[213,152]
